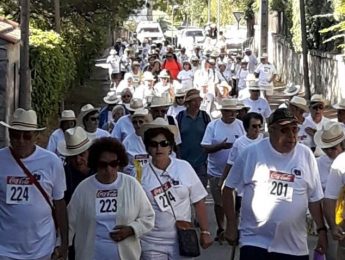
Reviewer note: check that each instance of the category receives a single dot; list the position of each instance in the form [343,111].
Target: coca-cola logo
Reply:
[18,180]
[106,193]
[282,176]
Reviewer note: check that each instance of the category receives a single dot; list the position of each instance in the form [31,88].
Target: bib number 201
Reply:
[279,189]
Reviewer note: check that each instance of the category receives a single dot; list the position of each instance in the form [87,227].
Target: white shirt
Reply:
[241,78]
[186,77]
[260,106]
[55,138]
[123,128]
[324,164]
[29,232]
[239,145]
[336,178]
[276,191]
[266,71]
[215,133]
[186,189]
[114,63]
[174,110]
[136,152]
[303,136]
[99,133]
[252,62]
[160,90]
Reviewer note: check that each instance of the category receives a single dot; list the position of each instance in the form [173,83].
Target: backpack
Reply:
[204,115]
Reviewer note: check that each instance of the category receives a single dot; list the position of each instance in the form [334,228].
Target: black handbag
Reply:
[186,234]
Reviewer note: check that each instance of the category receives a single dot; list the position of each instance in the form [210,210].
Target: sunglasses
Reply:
[316,107]
[138,122]
[103,164]
[256,126]
[155,144]
[18,134]
[126,96]
[180,97]
[162,111]
[93,119]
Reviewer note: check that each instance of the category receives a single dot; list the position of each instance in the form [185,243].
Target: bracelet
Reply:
[204,232]
[321,229]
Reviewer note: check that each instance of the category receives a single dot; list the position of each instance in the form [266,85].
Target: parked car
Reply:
[235,37]
[150,30]
[188,37]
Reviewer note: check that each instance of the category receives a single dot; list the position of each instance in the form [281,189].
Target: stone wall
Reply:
[326,71]
[9,84]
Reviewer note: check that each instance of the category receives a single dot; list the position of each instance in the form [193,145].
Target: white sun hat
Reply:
[340,105]
[229,104]
[163,101]
[317,98]
[299,102]
[84,111]
[23,120]
[292,89]
[135,104]
[111,98]
[76,142]
[140,112]
[159,122]
[148,76]
[330,135]
[67,115]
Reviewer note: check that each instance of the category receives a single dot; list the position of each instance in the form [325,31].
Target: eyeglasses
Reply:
[93,119]
[138,122]
[285,130]
[155,144]
[256,126]
[103,164]
[316,107]
[27,135]
[126,96]
[180,97]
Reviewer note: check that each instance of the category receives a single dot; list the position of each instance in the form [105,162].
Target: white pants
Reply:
[151,251]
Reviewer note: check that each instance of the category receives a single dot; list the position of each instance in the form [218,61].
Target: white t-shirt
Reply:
[241,78]
[336,178]
[260,106]
[136,152]
[276,191]
[215,133]
[99,133]
[160,90]
[324,121]
[186,77]
[324,164]
[183,187]
[239,145]
[303,136]
[266,71]
[28,230]
[55,138]
[114,63]
[123,128]
[106,209]
[174,110]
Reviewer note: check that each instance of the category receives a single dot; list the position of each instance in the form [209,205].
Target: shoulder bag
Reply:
[186,233]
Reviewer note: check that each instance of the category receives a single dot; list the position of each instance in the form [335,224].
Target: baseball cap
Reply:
[281,116]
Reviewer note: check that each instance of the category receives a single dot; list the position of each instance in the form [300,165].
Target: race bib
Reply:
[280,185]
[163,198]
[141,159]
[106,202]
[18,190]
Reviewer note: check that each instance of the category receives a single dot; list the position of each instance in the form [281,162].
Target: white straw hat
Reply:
[140,112]
[148,76]
[164,74]
[159,122]
[299,102]
[317,98]
[135,104]
[292,89]
[76,142]
[160,101]
[86,109]
[111,98]
[67,115]
[340,105]
[330,135]
[23,120]
[230,104]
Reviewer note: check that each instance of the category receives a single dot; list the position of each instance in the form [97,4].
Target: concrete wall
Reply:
[9,84]
[326,71]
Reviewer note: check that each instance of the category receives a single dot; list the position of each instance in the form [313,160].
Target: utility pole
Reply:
[57,16]
[263,26]
[304,50]
[208,11]
[218,19]
[25,79]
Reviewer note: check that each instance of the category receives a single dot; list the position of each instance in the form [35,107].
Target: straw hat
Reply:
[264,56]
[148,76]
[76,142]
[140,112]
[86,109]
[230,104]
[23,120]
[331,135]
[160,101]
[113,52]
[179,92]
[340,105]
[317,98]
[159,122]
[194,58]
[211,61]
[67,115]
[292,89]
[111,98]
[135,104]
[299,102]
[192,94]
[164,74]
[254,85]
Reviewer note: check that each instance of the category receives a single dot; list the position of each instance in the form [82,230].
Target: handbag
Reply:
[186,234]
[34,181]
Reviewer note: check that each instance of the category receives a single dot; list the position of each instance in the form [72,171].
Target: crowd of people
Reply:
[115,182]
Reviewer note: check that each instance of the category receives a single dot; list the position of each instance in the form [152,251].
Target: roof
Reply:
[9,30]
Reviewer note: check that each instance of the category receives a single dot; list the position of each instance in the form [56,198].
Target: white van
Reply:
[152,30]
